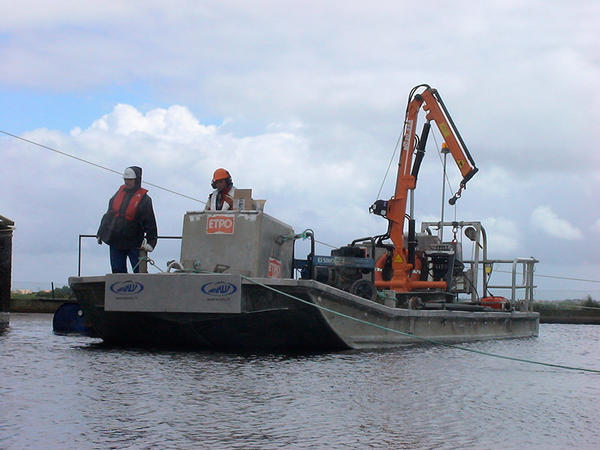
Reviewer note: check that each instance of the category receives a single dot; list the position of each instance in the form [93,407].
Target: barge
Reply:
[230,293]
[238,285]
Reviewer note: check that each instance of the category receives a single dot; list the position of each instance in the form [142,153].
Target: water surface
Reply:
[70,392]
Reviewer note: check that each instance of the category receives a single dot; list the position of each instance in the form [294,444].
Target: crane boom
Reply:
[403,279]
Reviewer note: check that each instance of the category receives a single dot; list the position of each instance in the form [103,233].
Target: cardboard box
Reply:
[259,205]
[242,199]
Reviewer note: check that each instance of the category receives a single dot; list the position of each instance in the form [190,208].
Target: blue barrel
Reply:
[69,319]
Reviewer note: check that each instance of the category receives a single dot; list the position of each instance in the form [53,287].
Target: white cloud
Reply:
[175,123]
[303,104]
[302,186]
[596,226]
[545,219]
[502,236]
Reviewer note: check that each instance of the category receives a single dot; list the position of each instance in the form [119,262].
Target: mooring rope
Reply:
[97,165]
[148,260]
[431,341]
[556,277]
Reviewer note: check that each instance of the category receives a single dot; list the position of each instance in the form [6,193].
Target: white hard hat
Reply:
[129,174]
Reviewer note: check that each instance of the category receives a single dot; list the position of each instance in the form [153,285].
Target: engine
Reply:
[348,268]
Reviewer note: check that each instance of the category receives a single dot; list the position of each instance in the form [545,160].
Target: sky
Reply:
[303,102]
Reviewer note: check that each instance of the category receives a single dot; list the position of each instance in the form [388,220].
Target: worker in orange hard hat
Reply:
[222,196]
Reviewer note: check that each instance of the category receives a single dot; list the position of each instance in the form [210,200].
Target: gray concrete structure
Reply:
[6,233]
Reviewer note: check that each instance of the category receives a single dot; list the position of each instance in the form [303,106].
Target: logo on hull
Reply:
[128,287]
[219,288]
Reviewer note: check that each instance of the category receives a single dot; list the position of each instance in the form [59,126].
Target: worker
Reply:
[222,196]
[129,224]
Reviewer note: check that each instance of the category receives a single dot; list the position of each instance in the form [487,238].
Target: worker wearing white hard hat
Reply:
[129,224]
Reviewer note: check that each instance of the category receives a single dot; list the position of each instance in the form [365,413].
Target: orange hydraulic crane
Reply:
[401,268]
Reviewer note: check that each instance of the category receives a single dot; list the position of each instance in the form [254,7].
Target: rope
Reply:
[389,165]
[326,244]
[495,270]
[447,179]
[304,235]
[506,271]
[148,260]
[97,165]
[555,276]
[431,341]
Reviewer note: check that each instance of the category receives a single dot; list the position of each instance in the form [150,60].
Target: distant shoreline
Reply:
[37,305]
[549,313]
[568,312]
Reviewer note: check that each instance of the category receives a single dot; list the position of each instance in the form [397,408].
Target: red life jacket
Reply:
[134,202]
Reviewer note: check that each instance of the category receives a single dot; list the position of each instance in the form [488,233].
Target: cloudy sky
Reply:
[303,101]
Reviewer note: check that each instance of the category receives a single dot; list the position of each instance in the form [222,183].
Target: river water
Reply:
[72,392]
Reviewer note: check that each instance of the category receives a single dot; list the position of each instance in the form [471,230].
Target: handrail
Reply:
[526,277]
[96,237]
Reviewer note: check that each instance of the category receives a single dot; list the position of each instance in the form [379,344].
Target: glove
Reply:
[146,246]
[99,240]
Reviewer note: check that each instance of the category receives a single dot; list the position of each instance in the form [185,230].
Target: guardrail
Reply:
[96,237]
[525,265]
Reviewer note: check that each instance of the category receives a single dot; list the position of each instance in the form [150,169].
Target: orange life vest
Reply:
[134,202]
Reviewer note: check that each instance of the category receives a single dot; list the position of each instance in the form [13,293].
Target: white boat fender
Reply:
[175,265]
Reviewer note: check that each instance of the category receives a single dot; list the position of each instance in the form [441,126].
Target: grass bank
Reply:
[569,311]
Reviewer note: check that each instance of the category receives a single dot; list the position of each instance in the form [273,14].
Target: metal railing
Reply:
[96,237]
[524,266]
[478,235]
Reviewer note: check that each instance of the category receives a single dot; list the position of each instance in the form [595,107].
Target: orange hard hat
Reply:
[220,174]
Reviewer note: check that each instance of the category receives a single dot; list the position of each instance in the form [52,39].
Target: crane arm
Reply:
[436,111]
[406,180]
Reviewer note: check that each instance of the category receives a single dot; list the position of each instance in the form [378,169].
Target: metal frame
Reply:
[480,259]
[96,237]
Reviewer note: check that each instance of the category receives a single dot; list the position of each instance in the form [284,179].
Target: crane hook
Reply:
[456,196]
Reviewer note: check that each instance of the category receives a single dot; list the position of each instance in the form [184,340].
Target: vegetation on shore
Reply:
[586,303]
[63,292]
[569,304]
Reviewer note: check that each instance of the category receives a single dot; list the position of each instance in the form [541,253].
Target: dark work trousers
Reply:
[118,260]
